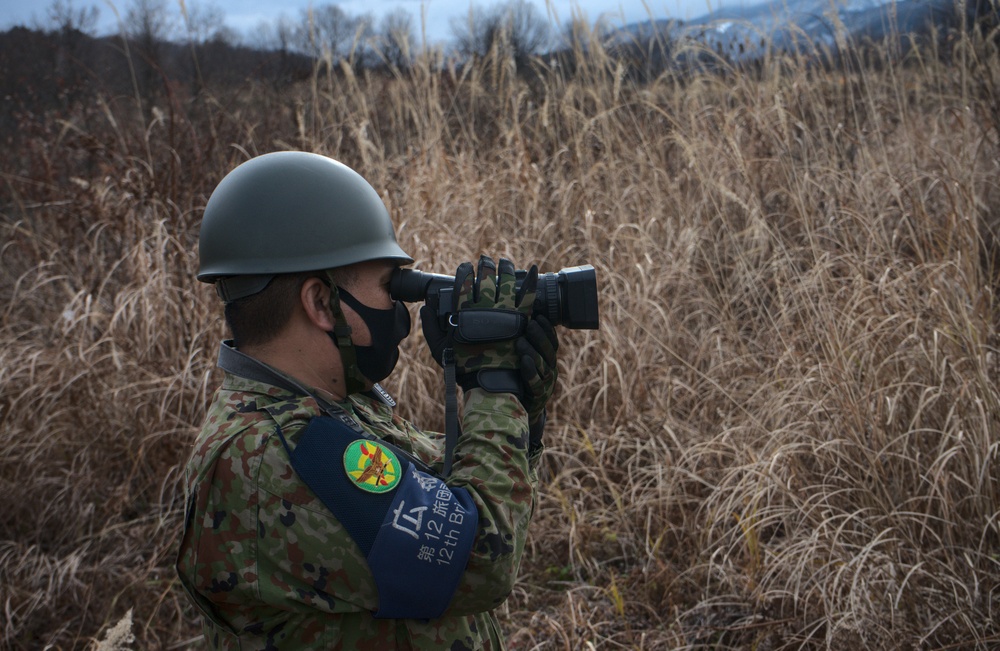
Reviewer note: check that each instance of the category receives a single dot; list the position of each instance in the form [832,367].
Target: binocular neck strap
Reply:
[451,427]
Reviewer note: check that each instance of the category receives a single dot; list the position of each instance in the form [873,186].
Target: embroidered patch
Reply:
[372,467]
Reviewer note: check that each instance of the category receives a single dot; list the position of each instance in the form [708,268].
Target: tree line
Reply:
[51,62]
[185,45]
[320,31]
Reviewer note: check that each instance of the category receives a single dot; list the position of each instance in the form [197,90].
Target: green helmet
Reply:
[288,212]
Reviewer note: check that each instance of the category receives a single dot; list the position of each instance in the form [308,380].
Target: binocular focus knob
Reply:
[548,295]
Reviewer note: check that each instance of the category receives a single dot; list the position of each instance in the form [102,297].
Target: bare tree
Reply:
[511,30]
[148,25]
[328,31]
[200,21]
[474,34]
[284,38]
[203,21]
[363,49]
[528,31]
[284,34]
[70,27]
[396,39]
[149,21]
[65,18]
[276,36]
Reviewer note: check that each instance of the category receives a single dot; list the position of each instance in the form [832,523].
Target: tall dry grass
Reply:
[783,436]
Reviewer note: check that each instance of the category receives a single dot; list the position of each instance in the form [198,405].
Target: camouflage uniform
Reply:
[272,568]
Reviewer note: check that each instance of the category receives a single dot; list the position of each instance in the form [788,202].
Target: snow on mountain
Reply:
[791,24]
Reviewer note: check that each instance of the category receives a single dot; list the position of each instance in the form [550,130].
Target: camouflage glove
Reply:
[539,373]
[488,317]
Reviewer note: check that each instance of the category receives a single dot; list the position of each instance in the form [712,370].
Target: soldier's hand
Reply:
[538,348]
[489,313]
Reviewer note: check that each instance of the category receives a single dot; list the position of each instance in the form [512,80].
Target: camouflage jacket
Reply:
[270,567]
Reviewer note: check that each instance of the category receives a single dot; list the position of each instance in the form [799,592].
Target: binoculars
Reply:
[567,297]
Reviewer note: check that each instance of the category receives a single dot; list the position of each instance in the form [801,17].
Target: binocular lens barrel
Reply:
[567,297]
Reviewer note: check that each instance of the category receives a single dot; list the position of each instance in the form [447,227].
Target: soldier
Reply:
[316,518]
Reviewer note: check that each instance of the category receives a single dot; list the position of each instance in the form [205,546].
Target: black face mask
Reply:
[387,328]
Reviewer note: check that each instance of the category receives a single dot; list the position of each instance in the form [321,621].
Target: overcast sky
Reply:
[244,15]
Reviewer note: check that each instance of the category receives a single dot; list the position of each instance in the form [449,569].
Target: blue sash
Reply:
[415,531]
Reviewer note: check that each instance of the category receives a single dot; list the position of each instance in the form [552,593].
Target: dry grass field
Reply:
[785,435]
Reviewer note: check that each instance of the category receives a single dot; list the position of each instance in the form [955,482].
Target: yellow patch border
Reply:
[371,466]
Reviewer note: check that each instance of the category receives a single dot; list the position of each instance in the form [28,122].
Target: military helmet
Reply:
[288,212]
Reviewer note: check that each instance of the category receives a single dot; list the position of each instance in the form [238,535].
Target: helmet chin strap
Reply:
[354,381]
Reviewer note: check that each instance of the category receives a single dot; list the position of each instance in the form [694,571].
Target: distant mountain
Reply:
[796,24]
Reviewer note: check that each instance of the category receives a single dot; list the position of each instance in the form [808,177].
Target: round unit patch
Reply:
[371,466]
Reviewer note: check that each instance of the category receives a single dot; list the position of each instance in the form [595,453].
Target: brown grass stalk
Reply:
[783,436]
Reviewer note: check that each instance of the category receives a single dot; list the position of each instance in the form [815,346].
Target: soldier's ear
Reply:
[315,299]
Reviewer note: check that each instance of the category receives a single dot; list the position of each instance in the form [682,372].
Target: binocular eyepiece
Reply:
[567,297]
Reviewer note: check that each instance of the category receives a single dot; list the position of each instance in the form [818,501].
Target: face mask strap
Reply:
[341,336]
